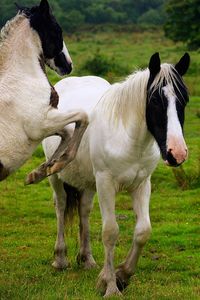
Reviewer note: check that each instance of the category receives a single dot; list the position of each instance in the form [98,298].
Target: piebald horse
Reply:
[28,102]
[131,123]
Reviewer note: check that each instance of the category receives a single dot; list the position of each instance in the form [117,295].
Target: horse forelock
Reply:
[167,76]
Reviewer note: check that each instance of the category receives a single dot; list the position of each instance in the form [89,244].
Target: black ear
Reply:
[154,64]
[183,64]
[44,7]
[19,7]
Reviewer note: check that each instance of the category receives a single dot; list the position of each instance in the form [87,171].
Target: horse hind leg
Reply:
[60,250]
[85,255]
[141,198]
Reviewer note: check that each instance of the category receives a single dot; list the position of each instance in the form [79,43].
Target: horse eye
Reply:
[156,102]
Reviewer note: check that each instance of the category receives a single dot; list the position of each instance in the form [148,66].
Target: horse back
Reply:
[80,92]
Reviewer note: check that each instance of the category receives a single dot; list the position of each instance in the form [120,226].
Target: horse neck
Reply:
[125,102]
[21,48]
[123,107]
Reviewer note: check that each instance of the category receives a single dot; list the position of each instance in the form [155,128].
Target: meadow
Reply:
[169,267]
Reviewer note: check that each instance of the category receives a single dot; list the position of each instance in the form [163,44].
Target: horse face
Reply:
[54,50]
[165,109]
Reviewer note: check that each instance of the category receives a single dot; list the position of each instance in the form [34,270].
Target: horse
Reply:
[130,124]
[28,102]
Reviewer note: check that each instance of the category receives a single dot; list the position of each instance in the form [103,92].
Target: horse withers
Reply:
[131,123]
[28,102]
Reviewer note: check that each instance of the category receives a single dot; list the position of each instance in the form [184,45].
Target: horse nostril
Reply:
[170,150]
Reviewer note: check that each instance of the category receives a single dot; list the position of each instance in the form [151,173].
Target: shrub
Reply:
[102,65]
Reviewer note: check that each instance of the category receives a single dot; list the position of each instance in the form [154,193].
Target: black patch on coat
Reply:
[54,98]
[3,172]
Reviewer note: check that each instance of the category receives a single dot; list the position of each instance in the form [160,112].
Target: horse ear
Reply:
[44,7]
[154,64]
[183,64]
[19,7]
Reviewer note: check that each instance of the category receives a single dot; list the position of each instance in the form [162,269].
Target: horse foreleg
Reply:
[67,149]
[110,230]
[69,154]
[41,172]
[141,197]
[85,255]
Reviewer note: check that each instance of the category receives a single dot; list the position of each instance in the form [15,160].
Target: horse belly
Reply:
[78,175]
[15,149]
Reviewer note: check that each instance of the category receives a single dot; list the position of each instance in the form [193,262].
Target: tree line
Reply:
[74,13]
[180,18]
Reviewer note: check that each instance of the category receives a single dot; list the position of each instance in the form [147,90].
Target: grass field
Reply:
[170,265]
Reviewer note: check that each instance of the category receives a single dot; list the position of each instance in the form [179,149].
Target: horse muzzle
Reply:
[177,151]
[175,160]
[62,64]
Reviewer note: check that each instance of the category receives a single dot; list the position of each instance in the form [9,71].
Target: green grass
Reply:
[131,51]
[169,267]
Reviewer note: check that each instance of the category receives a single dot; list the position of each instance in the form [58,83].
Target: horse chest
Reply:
[130,178]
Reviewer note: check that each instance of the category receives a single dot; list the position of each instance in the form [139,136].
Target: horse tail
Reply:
[73,198]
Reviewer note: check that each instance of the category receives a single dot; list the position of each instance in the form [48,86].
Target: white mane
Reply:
[168,74]
[128,98]
[12,34]
[9,27]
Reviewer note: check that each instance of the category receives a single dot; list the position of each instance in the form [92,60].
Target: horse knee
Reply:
[110,233]
[142,234]
[84,118]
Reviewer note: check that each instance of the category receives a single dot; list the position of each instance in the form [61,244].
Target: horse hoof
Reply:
[112,290]
[122,279]
[87,261]
[36,175]
[59,266]
[31,178]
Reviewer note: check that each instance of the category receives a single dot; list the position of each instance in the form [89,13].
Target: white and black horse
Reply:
[131,123]
[28,102]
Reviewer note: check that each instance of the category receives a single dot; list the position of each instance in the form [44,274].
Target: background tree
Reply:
[183,21]
[73,14]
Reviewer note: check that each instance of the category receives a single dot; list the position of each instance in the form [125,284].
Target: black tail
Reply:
[73,201]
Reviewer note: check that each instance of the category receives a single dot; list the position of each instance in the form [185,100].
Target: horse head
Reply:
[167,97]
[55,53]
